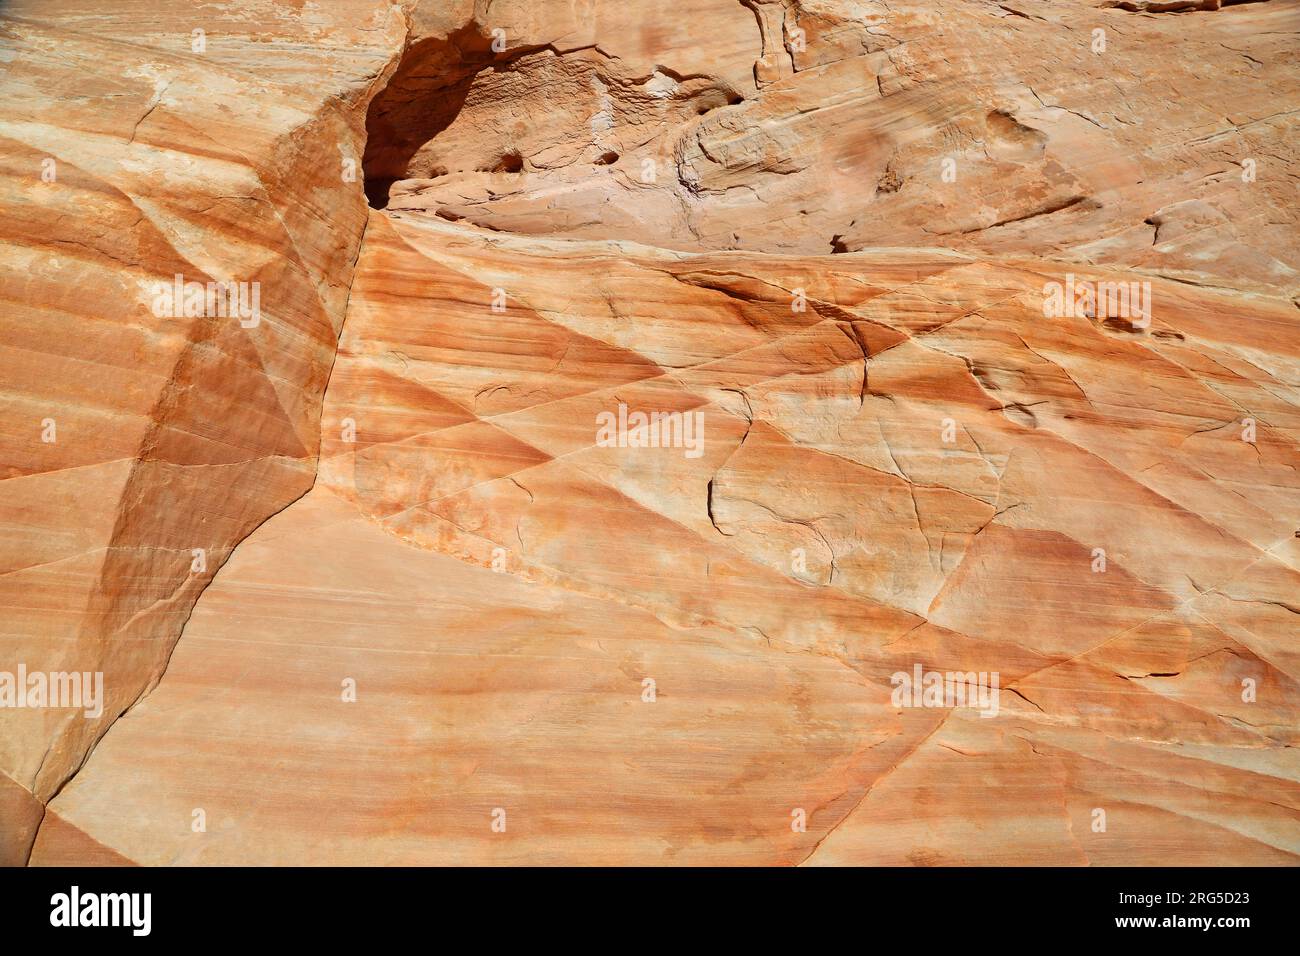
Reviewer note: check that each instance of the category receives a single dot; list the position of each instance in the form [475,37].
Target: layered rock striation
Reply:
[379,575]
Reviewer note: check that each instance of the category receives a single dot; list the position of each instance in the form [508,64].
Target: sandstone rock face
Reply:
[971,334]
[133,440]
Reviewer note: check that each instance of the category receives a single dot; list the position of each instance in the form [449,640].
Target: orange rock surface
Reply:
[365,580]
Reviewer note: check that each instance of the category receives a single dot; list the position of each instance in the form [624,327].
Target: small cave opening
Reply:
[711,102]
[511,162]
[422,99]
[377,189]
